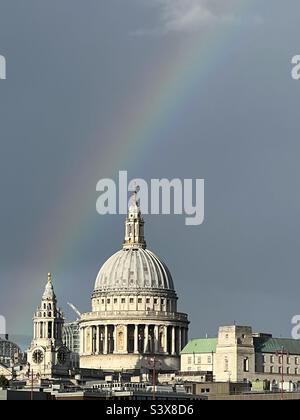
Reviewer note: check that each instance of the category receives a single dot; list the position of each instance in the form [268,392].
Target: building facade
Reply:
[48,356]
[71,339]
[134,315]
[10,352]
[239,355]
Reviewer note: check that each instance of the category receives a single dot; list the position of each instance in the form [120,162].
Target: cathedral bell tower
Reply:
[47,356]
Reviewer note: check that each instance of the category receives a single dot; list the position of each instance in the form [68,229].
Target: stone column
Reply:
[81,341]
[146,338]
[115,338]
[173,341]
[136,339]
[165,339]
[105,350]
[84,339]
[97,347]
[156,339]
[91,340]
[179,339]
[125,339]
[186,336]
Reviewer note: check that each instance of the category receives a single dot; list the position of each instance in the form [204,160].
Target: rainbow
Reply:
[133,135]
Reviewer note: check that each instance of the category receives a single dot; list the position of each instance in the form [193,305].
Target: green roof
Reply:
[200,345]
[273,345]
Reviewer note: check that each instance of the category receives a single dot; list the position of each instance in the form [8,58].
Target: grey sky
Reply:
[72,68]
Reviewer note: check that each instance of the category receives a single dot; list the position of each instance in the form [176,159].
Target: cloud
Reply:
[189,15]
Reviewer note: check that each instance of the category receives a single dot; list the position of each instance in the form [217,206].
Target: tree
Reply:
[4,383]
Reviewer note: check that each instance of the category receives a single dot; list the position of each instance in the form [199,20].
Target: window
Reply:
[131,300]
[199,360]
[264,359]
[271,359]
[296,371]
[155,301]
[189,360]
[288,371]
[103,301]
[163,301]
[209,360]
[246,364]
[123,300]
[280,359]
[279,369]
[271,369]
[288,360]
[140,300]
[226,364]
[115,300]
[108,301]
[148,300]
[296,360]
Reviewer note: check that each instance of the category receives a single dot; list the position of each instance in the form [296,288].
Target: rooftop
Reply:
[201,345]
[273,345]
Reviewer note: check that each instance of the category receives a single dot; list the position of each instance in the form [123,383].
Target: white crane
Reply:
[74,309]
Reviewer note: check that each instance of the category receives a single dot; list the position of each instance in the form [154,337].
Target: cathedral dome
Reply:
[134,313]
[133,268]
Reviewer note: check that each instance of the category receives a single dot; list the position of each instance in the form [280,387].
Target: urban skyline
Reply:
[90,91]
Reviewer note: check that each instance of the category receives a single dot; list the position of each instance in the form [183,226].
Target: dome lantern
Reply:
[134,226]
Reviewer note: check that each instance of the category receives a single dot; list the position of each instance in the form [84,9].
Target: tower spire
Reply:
[49,290]
[134,225]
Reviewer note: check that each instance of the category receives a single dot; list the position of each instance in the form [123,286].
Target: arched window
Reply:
[246,364]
